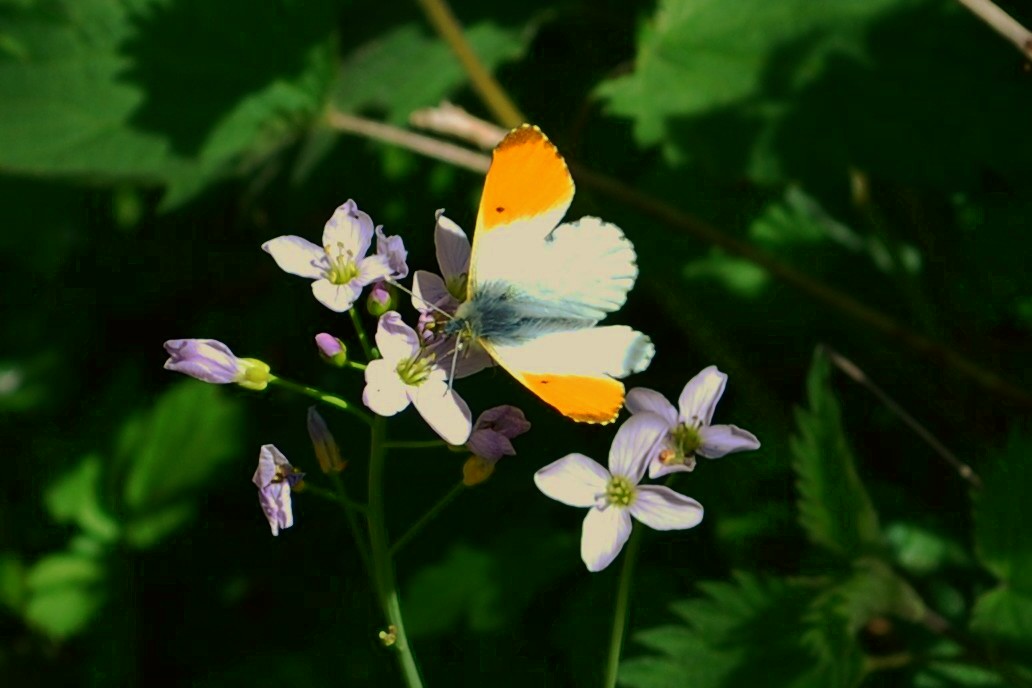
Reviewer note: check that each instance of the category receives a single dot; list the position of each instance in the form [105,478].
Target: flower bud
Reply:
[476,470]
[380,300]
[331,349]
[211,361]
[326,450]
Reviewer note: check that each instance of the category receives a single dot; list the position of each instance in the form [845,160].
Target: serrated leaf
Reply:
[834,507]
[75,498]
[794,89]
[92,90]
[747,632]
[172,451]
[408,68]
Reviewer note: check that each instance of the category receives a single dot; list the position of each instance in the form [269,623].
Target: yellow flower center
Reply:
[620,491]
[343,267]
[416,370]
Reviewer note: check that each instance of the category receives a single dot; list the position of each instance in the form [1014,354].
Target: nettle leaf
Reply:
[170,452]
[740,633]
[834,508]
[173,92]
[1004,544]
[408,68]
[65,592]
[794,90]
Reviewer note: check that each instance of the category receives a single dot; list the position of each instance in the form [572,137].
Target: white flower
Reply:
[435,298]
[688,428]
[340,266]
[614,496]
[408,373]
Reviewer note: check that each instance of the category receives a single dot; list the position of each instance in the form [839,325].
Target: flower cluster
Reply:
[655,438]
[416,366]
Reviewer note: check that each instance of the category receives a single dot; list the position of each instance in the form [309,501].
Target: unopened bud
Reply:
[476,470]
[327,453]
[331,349]
[380,300]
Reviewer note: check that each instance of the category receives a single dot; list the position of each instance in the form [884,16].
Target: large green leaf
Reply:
[796,89]
[744,633]
[165,91]
[65,591]
[834,507]
[170,452]
[407,68]
[1004,545]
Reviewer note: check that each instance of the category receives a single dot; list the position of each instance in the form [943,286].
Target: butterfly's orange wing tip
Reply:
[581,398]
[528,177]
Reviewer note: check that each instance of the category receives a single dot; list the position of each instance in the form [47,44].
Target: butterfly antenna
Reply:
[454,362]
[425,302]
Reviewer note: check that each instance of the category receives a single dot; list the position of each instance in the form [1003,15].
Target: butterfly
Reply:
[537,289]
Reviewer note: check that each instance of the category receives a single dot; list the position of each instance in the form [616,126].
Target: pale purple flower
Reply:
[340,266]
[494,430]
[211,361]
[614,496]
[689,431]
[437,298]
[407,374]
[393,249]
[274,479]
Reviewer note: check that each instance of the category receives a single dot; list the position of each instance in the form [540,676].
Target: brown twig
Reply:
[1002,23]
[854,372]
[451,120]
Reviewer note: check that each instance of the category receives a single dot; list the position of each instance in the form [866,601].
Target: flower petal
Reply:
[603,536]
[659,468]
[372,269]
[384,394]
[298,256]
[393,249]
[395,339]
[336,297]
[700,396]
[205,359]
[443,410]
[660,508]
[494,430]
[720,440]
[429,290]
[453,247]
[635,443]
[575,480]
[349,228]
[642,400]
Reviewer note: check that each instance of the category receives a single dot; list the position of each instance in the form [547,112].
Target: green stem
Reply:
[322,396]
[363,338]
[331,496]
[417,444]
[623,596]
[428,516]
[351,511]
[383,567]
[356,365]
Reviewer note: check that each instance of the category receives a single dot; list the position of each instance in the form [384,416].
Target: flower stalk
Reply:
[325,397]
[623,597]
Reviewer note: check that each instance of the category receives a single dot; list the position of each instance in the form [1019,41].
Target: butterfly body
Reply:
[537,289]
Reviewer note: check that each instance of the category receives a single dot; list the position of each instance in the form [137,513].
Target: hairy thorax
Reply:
[503,315]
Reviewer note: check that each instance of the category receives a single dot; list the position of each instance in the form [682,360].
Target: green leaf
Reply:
[171,452]
[794,89]
[408,68]
[107,90]
[65,591]
[1002,545]
[744,633]
[923,551]
[1005,616]
[834,507]
[12,581]
[75,498]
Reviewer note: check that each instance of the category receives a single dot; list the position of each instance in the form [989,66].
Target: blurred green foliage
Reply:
[148,148]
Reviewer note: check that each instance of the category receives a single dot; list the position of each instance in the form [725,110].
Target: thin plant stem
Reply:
[383,566]
[428,516]
[418,444]
[331,496]
[351,511]
[356,365]
[360,332]
[854,372]
[623,597]
[439,14]
[325,397]
[1002,23]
